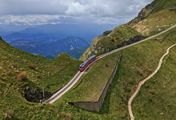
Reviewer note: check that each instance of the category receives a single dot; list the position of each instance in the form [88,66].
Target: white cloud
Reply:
[76,8]
[96,10]
[29,19]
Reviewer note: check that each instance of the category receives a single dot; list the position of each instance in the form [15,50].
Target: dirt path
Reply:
[141,83]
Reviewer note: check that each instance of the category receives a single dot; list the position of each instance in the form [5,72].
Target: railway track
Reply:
[78,75]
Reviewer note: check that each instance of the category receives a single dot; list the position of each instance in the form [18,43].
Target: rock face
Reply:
[34,94]
[142,14]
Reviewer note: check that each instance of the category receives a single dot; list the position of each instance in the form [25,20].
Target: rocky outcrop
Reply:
[34,94]
[31,92]
[142,14]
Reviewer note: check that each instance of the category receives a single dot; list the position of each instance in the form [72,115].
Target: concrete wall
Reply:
[91,106]
[96,106]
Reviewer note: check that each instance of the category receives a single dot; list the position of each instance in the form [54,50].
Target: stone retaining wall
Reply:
[96,106]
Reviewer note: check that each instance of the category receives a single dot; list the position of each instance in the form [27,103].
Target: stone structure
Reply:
[96,105]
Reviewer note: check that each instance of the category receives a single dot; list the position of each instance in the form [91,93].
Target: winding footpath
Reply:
[141,83]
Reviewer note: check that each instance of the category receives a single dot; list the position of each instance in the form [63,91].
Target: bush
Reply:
[106,65]
[32,66]
[22,76]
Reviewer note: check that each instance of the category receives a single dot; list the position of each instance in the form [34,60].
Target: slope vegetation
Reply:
[137,63]
[155,101]
[142,82]
[27,77]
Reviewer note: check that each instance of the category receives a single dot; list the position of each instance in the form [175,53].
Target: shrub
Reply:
[106,65]
[22,76]
[8,114]
[32,66]
[66,116]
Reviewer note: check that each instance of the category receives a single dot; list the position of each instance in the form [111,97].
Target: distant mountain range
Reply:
[51,40]
[72,45]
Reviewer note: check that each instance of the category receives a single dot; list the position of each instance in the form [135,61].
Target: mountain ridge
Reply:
[37,38]
[73,46]
[154,18]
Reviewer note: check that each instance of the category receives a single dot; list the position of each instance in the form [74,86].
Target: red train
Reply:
[86,63]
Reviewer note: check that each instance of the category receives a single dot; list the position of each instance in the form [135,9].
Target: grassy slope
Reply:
[12,104]
[59,72]
[156,22]
[106,43]
[160,17]
[137,63]
[116,37]
[47,72]
[96,79]
[157,99]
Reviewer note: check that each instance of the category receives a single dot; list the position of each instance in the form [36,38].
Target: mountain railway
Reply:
[88,63]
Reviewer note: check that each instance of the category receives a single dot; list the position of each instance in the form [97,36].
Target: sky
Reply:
[38,12]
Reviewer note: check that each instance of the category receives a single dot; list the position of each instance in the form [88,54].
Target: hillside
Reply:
[137,63]
[157,99]
[154,18]
[23,77]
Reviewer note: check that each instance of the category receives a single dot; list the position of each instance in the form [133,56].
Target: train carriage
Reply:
[86,63]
